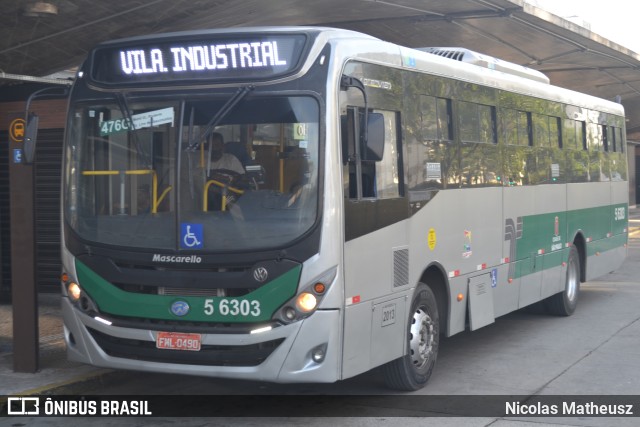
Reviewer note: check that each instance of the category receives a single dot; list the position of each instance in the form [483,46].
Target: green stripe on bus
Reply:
[256,306]
[547,236]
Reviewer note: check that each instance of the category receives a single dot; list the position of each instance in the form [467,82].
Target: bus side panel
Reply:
[519,202]
[506,293]
[356,357]
[554,273]
[620,201]
[388,329]
[590,213]
[460,230]
[539,235]
[369,286]
[552,205]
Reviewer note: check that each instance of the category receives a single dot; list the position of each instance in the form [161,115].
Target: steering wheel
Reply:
[227,182]
[227,176]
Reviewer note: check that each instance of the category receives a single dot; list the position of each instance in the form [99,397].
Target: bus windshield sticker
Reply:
[140,121]
[378,84]
[433,171]
[191,236]
[299,131]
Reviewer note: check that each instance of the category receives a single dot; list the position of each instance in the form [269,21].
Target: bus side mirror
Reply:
[374,144]
[30,137]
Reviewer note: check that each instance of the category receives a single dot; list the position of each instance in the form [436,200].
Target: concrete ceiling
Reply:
[570,55]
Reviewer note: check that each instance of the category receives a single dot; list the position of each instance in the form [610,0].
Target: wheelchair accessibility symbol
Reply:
[191,236]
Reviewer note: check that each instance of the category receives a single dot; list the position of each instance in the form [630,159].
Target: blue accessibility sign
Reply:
[17,155]
[191,236]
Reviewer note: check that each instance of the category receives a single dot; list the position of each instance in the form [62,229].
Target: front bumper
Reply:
[282,354]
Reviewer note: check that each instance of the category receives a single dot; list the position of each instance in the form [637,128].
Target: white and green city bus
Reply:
[387,196]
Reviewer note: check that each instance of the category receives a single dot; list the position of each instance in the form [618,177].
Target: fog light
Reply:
[290,313]
[74,291]
[318,354]
[306,302]
[85,305]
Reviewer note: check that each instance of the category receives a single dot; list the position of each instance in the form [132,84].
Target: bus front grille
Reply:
[209,355]
[184,292]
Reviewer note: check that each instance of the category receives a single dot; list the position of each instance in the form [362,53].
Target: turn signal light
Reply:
[319,288]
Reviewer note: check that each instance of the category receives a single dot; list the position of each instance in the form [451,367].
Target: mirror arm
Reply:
[38,93]
[29,152]
[345,83]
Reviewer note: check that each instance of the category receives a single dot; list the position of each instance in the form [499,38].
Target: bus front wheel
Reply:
[412,371]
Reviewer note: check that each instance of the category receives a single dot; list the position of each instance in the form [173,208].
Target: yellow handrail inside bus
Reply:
[161,198]
[154,177]
[225,187]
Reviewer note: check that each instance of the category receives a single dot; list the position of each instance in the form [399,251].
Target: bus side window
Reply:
[388,172]
[348,136]
[351,129]
[377,179]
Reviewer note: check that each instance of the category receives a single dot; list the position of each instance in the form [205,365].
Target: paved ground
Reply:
[56,372]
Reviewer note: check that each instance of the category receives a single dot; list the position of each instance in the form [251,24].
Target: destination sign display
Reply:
[230,58]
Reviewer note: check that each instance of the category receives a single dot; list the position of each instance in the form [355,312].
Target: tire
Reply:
[412,371]
[564,303]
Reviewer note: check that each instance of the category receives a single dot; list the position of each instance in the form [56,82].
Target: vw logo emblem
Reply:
[260,274]
[180,308]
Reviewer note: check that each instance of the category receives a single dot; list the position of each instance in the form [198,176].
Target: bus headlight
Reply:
[306,302]
[74,291]
[76,295]
[308,299]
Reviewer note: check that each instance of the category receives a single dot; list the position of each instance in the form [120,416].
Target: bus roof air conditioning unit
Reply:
[485,61]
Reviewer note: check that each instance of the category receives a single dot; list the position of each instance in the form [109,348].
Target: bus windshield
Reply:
[181,174]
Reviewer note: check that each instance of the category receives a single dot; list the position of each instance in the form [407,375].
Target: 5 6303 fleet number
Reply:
[232,307]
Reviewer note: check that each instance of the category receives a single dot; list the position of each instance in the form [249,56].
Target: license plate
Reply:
[178,341]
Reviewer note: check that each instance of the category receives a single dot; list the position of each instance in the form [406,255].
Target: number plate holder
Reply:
[178,341]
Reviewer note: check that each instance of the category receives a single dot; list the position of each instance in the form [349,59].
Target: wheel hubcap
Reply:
[572,280]
[422,338]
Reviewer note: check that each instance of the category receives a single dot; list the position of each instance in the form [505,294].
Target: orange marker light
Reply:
[319,288]
[460,297]
[64,277]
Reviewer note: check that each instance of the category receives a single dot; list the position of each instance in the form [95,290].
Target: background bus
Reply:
[386,196]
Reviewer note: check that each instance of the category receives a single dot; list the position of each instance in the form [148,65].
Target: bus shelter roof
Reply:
[39,40]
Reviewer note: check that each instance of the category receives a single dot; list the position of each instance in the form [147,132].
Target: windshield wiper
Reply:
[222,112]
[123,104]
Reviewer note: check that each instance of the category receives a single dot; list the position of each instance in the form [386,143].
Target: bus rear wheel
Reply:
[413,370]
[565,302]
